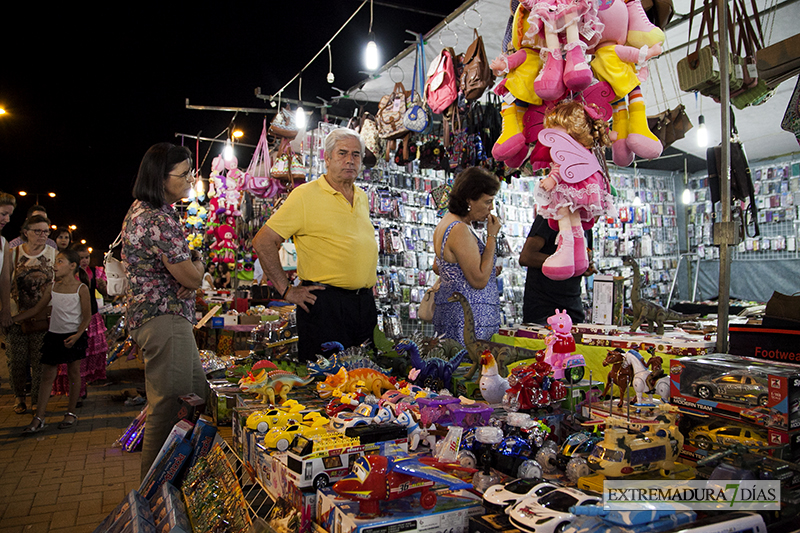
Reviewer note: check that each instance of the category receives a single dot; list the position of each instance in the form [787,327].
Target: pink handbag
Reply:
[441,89]
[257,179]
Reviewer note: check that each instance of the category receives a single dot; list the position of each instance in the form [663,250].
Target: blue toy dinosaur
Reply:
[435,373]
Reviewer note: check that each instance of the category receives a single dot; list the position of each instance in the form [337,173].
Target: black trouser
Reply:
[346,316]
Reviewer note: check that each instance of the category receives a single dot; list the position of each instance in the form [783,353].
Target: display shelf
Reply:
[777,193]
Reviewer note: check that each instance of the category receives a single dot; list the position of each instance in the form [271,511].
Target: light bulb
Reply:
[300,118]
[702,132]
[637,200]
[199,187]
[331,77]
[686,198]
[227,152]
[371,55]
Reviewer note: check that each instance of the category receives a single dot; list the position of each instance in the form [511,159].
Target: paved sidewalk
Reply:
[67,481]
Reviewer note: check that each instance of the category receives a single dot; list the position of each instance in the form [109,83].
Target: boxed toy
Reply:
[491,523]
[192,406]
[451,514]
[676,345]
[132,512]
[202,438]
[170,459]
[608,294]
[740,388]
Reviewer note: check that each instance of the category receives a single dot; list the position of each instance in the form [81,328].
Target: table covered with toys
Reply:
[424,434]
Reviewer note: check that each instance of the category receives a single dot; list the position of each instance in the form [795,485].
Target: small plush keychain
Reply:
[576,191]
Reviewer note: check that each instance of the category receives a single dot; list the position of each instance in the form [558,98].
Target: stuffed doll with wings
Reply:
[576,191]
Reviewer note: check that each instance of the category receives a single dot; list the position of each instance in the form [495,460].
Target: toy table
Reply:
[594,348]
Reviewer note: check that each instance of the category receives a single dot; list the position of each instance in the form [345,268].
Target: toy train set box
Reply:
[738,388]
[450,514]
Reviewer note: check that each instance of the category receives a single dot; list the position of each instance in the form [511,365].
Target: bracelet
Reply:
[491,235]
[283,296]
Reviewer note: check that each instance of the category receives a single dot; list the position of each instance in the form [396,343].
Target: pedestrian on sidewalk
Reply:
[66,339]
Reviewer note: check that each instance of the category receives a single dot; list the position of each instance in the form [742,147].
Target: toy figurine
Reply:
[493,386]
[657,381]
[531,386]
[620,374]
[433,372]
[559,353]
[409,420]
[628,368]
[376,382]
[268,384]
[576,191]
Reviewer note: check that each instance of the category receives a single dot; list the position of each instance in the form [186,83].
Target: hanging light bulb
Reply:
[227,152]
[199,188]
[300,114]
[637,200]
[331,78]
[686,198]
[702,132]
[371,60]
[687,195]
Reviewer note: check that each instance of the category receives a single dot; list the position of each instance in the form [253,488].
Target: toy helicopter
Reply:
[376,478]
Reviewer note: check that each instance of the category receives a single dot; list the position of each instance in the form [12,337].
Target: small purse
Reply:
[416,118]
[284,125]
[671,125]
[428,305]
[117,281]
[476,75]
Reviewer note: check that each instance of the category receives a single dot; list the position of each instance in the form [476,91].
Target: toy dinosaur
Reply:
[351,358]
[504,354]
[267,384]
[435,373]
[374,382]
[654,313]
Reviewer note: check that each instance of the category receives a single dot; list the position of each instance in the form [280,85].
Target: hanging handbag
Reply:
[117,283]
[428,305]
[671,125]
[368,129]
[791,118]
[780,61]
[416,117]
[476,75]
[391,109]
[699,71]
[659,11]
[284,125]
[441,89]
[258,181]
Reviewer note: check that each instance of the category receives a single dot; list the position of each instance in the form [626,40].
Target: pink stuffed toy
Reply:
[576,191]
[225,244]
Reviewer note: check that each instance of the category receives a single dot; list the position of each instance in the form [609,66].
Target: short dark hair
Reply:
[471,184]
[158,161]
[30,221]
[62,229]
[79,247]
[7,199]
[36,208]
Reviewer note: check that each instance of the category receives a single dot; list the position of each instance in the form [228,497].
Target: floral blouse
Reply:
[147,234]
[31,275]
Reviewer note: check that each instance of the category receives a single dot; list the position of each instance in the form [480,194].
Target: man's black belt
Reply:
[360,291]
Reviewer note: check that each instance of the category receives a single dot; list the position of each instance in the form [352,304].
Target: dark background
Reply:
[87,91]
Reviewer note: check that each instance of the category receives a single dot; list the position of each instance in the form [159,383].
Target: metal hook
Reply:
[402,74]
[480,17]
[355,97]
[447,27]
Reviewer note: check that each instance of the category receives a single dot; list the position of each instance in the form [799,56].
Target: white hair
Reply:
[340,134]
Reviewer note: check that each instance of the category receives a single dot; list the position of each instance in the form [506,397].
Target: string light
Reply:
[702,132]
[331,78]
[686,197]
[227,152]
[300,114]
[371,60]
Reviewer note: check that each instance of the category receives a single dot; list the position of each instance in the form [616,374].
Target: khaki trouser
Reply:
[172,369]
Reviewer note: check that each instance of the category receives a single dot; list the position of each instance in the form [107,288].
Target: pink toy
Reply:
[559,353]
[575,22]
[628,40]
[225,244]
[576,191]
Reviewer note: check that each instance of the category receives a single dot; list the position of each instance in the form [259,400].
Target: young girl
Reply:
[65,341]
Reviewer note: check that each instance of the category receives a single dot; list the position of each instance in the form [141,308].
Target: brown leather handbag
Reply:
[671,125]
[476,76]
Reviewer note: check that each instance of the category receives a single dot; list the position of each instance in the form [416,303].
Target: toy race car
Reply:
[499,497]
[723,433]
[548,513]
[734,386]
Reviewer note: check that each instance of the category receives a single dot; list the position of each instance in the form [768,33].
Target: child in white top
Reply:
[65,340]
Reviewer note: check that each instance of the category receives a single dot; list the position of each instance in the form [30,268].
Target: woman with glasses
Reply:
[163,274]
[33,263]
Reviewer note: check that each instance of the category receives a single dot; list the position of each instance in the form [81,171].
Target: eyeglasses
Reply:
[189,176]
[39,232]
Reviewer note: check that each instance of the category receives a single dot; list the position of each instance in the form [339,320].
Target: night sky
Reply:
[87,92]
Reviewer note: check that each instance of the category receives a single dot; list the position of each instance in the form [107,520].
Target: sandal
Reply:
[64,424]
[39,425]
[20,408]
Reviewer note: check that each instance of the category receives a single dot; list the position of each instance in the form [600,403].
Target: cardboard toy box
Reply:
[608,294]
[491,523]
[451,514]
[738,388]
[675,346]
[699,442]
[753,340]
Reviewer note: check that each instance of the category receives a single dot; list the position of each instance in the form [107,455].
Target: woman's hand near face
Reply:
[493,224]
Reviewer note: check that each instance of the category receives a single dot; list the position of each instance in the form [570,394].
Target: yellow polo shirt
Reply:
[335,241]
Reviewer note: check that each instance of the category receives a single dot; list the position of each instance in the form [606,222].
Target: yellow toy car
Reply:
[281,437]
[263,421]
[726,434]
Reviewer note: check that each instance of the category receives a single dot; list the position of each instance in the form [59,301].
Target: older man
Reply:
[337,256]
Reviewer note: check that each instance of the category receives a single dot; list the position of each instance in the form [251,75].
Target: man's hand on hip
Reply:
[303,295]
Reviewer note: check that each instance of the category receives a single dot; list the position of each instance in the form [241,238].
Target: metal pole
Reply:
[725,233]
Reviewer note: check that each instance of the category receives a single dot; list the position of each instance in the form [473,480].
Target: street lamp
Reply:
[26,193]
